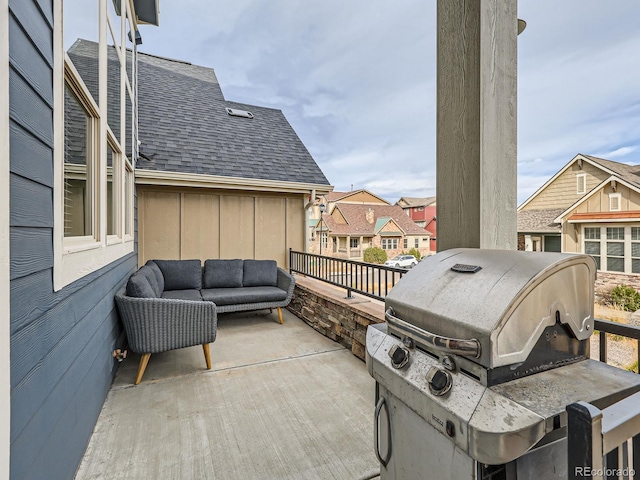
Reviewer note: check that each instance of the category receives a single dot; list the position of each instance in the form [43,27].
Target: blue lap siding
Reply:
[61,342]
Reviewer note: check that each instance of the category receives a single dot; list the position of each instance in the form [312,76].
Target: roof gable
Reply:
[577,158]
[184,126]
[361,196]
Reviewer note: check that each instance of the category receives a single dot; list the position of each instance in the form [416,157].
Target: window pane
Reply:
[615,233]
[615,248]
[113,92]
[592,248]
[592,233]
[635,266]
[615,264]
[597,259]
[417,242]
[635,249]
[635,233]
[112,189]
[77,168]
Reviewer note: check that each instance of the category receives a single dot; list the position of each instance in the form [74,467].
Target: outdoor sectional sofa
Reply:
[171,304]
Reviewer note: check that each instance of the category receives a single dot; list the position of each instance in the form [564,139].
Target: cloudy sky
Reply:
[356,79]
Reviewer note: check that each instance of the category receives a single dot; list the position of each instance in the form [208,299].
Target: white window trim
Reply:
[75,258]
[5,284]
[581,183]
[603,246]
[618,198]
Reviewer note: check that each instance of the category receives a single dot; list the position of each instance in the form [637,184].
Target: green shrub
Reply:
[375,255]
[415,253]
[626,297]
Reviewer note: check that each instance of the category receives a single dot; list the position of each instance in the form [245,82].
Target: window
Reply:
[406,243]
[614,202]
[592,243]
[581,183]
[95,143]
[615,249]
[635,249]
[80,167]
[354,243]
[389,243]
[416,242]
[425,239]
[324,240]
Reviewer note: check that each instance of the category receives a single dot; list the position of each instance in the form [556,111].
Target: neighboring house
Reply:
[421,210]
[352,228]
[592,206]
[70,224]
[215,179]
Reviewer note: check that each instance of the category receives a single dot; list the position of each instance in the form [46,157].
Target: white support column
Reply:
[476,123]
[528,243]
[5,335]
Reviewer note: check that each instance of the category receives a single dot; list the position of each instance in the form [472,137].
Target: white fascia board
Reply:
[606,220]
[571,162]
[595,190]
[180,179]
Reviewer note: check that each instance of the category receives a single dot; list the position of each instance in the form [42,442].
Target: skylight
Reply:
[235,112]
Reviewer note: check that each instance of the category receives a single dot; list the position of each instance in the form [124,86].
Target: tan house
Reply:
[592,206]
[351,228]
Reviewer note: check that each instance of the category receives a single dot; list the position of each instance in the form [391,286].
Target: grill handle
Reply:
[468,348]
[382,403]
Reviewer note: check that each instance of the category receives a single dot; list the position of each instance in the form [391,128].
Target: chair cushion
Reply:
[235,296]
[153,266]
[183,294]
[181,274]
[222,273]
[257,273]
[139,286]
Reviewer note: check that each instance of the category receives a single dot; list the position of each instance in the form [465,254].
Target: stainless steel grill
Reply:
[481,353]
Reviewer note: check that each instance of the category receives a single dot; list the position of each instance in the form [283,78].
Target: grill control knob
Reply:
[439,381]
[399,356]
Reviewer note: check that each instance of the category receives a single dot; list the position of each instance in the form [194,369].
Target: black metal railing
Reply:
[605,327]
[367,279]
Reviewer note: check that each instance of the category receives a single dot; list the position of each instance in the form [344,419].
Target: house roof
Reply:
[343,196]
[629,173]
[184,126]
[539,221]
[357,223]
[416,201]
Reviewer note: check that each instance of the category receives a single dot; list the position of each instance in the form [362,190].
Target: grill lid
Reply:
[503,299]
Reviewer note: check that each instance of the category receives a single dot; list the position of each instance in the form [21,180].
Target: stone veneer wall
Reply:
[605,282]
[339,320]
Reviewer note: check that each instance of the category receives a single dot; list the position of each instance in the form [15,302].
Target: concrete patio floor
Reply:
[280,402]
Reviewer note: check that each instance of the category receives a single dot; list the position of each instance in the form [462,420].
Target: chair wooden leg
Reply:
[207,355]
[280,315]
[144,360]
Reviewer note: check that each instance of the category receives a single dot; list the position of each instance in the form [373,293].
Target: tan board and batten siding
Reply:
[562,192]
[196,223]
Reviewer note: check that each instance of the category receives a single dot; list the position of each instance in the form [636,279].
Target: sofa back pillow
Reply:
[154,275]
[139,286]
[222,273]
[257,273]
[181,274]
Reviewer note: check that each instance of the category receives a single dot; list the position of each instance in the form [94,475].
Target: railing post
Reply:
[584,441]
[290,260]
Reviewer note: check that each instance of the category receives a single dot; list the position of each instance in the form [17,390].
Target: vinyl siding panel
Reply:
[561,193]
[61,342]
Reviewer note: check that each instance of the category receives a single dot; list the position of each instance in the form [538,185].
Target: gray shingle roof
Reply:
[415,201]
[630,173]
[184,127]
[539,221]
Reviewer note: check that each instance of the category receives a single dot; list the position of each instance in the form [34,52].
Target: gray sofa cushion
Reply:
[234,296]
[153,266]
[181,274]
[139,285]
[183,294]
[222,273]
[258,273]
